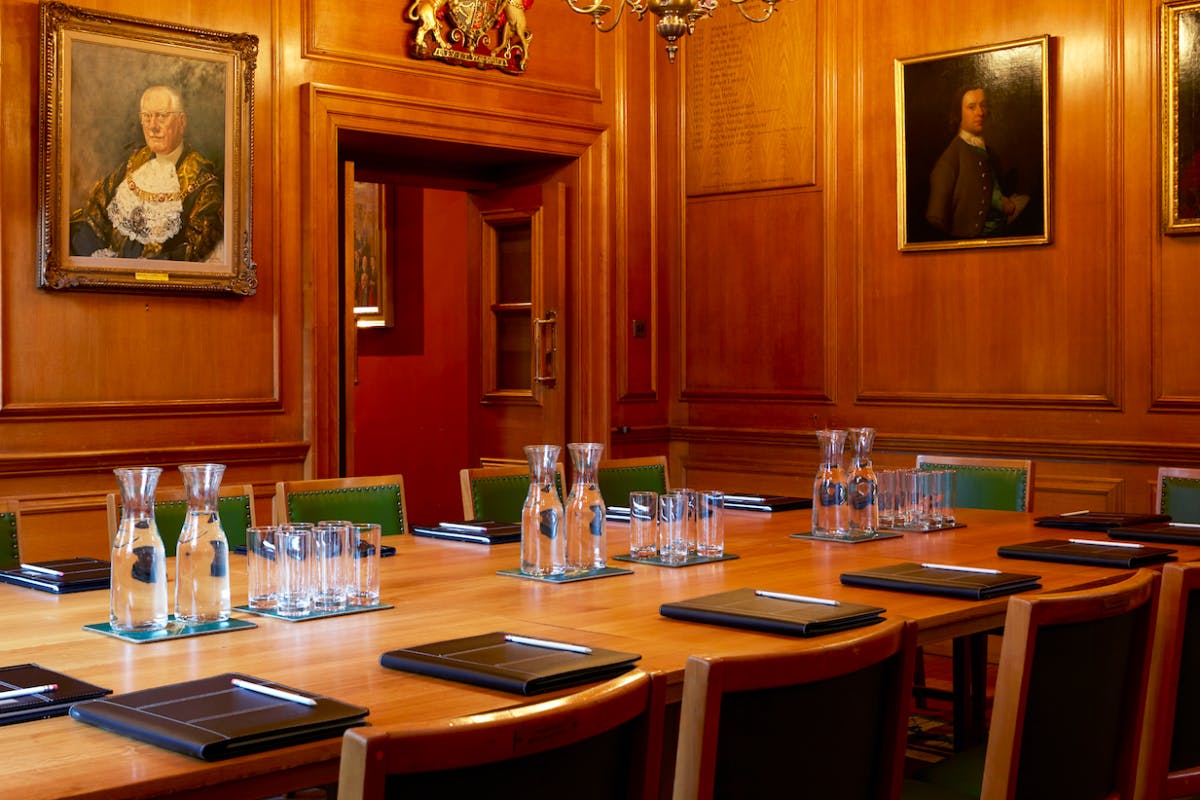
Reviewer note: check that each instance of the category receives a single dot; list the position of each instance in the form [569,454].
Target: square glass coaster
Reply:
[607,572]
[690,561]
[174,630]
[906,529]
[270,612]
[888,533]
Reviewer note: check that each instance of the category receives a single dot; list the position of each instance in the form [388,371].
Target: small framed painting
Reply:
[367,256]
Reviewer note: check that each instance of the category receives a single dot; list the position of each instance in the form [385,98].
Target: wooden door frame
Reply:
[326,111]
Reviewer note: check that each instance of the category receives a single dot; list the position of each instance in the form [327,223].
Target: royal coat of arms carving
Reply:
[476,33]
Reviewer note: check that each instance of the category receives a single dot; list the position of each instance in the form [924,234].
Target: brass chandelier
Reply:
[675,17]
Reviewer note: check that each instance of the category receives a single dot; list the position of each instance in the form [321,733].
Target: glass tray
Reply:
[270,612]
[607,572]
[174,630]
[690,561]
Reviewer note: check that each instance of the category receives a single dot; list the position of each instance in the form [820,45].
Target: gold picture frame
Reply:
[367,252]
[146,155]
[948,175]
[1180,90]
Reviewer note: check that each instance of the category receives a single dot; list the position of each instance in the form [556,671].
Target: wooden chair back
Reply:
[604,741]
[1178,494]
[235,506]
[371,498]
[1002,484]
[1169,756]
[829,718]
[498,493]
[1070,690]
[618,477]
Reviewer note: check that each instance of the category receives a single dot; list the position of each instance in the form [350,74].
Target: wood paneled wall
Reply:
[798,310]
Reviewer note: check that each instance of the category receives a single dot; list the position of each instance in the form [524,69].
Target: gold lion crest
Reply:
[461,32]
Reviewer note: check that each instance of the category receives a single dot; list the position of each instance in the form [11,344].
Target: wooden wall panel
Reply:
[754,322]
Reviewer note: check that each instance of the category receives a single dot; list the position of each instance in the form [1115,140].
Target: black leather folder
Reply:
[73,575]
[213,719]
[1097,520]
[743,608]
[765,502]
[491,660]
[969,585]
[1117,555]
[1163,532]
[482,531]
[53,703]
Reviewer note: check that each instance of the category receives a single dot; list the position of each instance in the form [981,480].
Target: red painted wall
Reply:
[411,400]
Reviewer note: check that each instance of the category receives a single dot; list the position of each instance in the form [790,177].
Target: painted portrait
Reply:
[146,155]
[371,290]
[973,147]
[1181,117]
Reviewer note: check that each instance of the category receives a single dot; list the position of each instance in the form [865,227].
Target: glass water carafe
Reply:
[543,543]
[586,549]
[138,588]
[202,556]
[862,484]
[830,511]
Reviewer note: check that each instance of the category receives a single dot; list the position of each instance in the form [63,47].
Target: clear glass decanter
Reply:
[830,511]
[138,591]
[586,548]
[543,543]
[863,485]
[202,556]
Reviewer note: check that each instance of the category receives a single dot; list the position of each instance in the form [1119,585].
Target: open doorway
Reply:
[415,397]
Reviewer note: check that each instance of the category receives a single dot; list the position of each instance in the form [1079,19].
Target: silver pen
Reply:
[570,648]
[955,568]
[271,691]
[49,687]
[1183,524]
[1106,544]
[796,598]
[42,570]
[1075,513]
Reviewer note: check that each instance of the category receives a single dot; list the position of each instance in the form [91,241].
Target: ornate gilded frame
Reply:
[929,89]
[1180,91]
[368,252]
[94,69]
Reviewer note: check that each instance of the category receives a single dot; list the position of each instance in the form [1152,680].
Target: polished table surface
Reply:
[442,590]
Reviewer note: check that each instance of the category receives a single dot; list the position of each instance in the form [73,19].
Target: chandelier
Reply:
[675,17]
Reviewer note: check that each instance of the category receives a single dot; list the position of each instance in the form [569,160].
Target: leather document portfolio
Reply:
[527,666]
[1166,532]
[481,531]
[1097,554]
[212,718]
[62,576]
[765,502]
[52,702]
[969,584]
[776,613]
[1097,520]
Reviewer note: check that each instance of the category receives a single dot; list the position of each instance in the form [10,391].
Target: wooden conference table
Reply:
[442,590]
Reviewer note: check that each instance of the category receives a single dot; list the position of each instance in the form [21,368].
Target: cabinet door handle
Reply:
[545,345]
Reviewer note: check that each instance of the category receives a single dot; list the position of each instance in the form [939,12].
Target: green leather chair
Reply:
[1179,494]
[1002,484]
[10,552]
[620,476]
[498,493]
[378,498]
[235,507]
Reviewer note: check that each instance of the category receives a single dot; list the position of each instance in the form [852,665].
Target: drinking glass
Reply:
[710,541]
[331,541]
[643,524]
[672,527]
[293,560]
[366,542]
[262,581]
